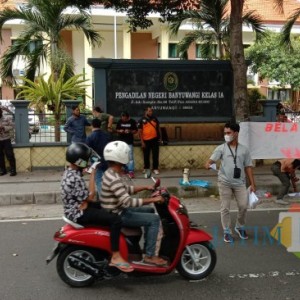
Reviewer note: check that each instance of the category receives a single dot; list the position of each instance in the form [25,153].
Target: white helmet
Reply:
[117,151]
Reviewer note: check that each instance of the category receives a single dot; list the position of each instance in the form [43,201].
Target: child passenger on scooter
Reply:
[115,198]
[79,204]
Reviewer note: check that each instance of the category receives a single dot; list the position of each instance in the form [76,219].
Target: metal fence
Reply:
[42,128]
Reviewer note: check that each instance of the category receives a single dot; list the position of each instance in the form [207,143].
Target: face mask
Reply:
[228,138]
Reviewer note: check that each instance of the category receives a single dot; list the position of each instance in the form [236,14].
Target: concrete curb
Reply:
[53,197]
[43,187]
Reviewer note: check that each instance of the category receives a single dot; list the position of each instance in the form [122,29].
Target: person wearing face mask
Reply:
[235,165]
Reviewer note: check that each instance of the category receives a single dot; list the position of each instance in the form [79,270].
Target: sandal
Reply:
[122,266]
[155,260]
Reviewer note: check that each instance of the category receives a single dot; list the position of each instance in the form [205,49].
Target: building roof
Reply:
[267,9]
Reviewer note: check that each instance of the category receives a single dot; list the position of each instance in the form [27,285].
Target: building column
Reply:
[21,122]
[126,42]
[88,53]
[164,43]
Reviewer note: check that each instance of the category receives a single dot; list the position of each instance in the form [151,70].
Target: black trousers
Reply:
[7,149]
[94,215]
[151,146]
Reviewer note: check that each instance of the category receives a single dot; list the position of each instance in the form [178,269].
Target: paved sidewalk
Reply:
[36,194]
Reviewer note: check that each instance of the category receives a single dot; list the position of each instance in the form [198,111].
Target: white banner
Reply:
[271,140]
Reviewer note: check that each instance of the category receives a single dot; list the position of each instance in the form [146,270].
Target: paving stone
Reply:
[4,199]
[21,198]
[45,197]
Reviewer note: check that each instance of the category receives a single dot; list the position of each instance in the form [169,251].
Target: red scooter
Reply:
[84,252]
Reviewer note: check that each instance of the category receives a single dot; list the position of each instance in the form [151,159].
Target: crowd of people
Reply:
[147,129]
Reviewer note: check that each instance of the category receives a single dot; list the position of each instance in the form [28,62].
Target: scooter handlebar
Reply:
[162,192]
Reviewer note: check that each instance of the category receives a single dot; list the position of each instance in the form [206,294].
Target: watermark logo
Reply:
[289,225]
[260,235]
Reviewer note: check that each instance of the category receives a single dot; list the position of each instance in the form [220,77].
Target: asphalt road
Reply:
[255,269]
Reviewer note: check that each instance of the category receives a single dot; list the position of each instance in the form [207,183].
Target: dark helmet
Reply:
[78,154]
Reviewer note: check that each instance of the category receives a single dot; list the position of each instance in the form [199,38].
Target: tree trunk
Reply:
[54,70]
[221,48]
[295,99]
[241,107]
[57,127]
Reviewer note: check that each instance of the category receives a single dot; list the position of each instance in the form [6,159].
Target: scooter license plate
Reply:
[53,253]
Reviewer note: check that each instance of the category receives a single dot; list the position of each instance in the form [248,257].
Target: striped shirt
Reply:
[115,193]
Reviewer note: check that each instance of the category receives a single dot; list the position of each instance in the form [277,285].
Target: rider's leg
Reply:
[151,222]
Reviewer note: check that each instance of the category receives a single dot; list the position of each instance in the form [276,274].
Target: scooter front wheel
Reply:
[197,261]
[70,275]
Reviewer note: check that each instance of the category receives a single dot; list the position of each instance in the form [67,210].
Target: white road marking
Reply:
[30,220]
[257,275]
[190,213]
[264,275]
[235,210]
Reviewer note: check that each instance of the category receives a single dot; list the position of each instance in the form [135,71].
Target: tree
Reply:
[137,12]
[169,8]
[212,27]
[270,59]
[44,21]
[237,58]
[51,92]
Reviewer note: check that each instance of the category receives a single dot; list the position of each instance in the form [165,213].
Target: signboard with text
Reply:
[186,91]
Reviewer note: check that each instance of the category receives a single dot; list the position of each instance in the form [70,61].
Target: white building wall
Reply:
[78,51]
[107,49]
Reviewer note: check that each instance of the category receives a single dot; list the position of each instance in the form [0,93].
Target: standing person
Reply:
[6,126]
[149,133]
[285,171]
[76,125]
[236,162]
[79,205]
[106,119]
[97,140]
[126,128]
[115,197]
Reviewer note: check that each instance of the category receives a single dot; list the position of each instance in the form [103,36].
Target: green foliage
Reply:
[253,96]
[44,20]
[138,11]
[52,92]
[211,27]
[52,122]
[273,61]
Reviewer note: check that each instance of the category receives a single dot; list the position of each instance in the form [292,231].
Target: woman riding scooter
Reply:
[80,206]
[115,198]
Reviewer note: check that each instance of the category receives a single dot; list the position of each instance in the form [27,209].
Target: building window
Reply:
[158,50]
[212,52]
[34,44]
[173,51]
[278,94]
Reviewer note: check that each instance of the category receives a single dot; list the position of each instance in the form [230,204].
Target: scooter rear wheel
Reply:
[197,262]
[71,276]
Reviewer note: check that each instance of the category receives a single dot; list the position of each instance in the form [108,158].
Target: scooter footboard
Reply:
[197,235]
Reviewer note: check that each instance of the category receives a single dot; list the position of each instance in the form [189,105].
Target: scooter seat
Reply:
[75,225]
